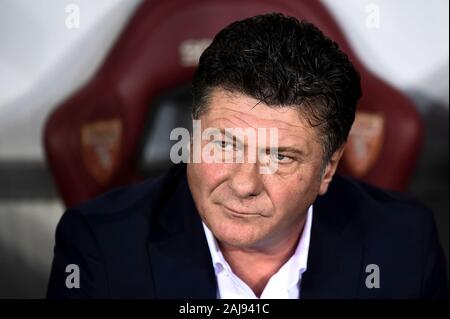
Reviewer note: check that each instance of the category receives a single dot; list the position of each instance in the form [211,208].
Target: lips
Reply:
[240,212]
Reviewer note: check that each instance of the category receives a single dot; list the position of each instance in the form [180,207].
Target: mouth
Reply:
[239,213]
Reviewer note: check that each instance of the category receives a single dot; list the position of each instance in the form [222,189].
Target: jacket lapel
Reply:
[336,248]
[180,259]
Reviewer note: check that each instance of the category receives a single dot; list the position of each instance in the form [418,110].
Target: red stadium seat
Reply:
[92,139]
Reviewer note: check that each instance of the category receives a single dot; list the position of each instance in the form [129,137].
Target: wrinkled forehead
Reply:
[234,110]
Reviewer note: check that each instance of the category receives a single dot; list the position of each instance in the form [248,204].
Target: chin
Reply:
[236,234]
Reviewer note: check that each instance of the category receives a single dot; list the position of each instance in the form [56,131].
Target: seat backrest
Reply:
[92,139]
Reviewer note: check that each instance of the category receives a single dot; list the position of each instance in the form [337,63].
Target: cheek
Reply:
[293,194]
[284,198]
[206,177]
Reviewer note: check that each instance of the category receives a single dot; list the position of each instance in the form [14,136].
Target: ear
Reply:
[330,169]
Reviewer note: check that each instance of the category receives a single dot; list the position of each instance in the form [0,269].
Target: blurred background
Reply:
[53,82]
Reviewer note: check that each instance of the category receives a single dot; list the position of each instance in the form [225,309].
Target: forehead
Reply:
[235,110]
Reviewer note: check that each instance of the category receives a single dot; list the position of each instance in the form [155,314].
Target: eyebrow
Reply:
[224,132]
[288,149]
[280,149]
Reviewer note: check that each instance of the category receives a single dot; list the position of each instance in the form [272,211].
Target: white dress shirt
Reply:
[285,284]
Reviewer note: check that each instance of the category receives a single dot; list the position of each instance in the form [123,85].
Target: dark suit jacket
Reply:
[147,241]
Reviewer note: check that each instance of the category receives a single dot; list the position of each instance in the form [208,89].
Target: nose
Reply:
[246,180]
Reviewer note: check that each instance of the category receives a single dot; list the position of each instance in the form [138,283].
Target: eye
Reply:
[281,158]
[224,145]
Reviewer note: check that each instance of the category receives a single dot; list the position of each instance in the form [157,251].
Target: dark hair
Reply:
[281,61]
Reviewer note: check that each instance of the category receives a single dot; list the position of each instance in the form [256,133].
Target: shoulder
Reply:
[389,220]
[399,234]
[393,226]
[123,214]
[106,237]
[128,201]
[372,202]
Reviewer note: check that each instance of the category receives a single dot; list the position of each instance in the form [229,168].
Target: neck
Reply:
[265,262]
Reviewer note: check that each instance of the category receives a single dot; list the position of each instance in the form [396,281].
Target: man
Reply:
[223,229]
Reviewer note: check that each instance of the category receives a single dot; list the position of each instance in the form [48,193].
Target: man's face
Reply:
[241,206]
